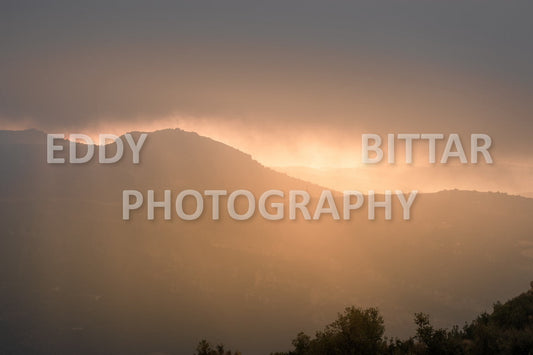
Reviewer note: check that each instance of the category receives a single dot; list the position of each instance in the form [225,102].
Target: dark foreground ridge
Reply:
[507,330]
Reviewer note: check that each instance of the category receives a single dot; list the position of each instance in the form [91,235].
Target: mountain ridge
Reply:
[82,280]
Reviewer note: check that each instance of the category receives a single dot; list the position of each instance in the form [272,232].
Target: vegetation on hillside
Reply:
[508,329]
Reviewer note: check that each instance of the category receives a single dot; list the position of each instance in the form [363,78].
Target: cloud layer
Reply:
[345,68]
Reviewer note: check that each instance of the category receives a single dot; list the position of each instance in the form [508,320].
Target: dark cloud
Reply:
[375,64]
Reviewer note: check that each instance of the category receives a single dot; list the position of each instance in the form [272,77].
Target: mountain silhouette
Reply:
[79,279]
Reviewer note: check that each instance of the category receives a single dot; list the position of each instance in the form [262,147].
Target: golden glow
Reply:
[271,147]
[331,158]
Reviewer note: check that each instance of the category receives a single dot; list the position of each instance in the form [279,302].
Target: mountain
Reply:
[79,279]
[169,159]
[513,178]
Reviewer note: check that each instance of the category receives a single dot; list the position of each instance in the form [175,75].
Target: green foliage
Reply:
[435,341]
[507,330]
[356,331]
[204,348]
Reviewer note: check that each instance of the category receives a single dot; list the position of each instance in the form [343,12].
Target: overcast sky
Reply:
[329,69]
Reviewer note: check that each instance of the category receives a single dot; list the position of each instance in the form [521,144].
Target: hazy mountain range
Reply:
[76,278]
[514,179]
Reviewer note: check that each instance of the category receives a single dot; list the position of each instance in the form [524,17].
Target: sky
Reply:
[294,83]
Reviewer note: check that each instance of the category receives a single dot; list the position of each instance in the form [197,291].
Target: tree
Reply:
[204,348]
[356,331]
[507,330]
[436,341]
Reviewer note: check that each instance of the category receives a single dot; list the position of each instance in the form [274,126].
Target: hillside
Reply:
[507,329]
[82,280]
